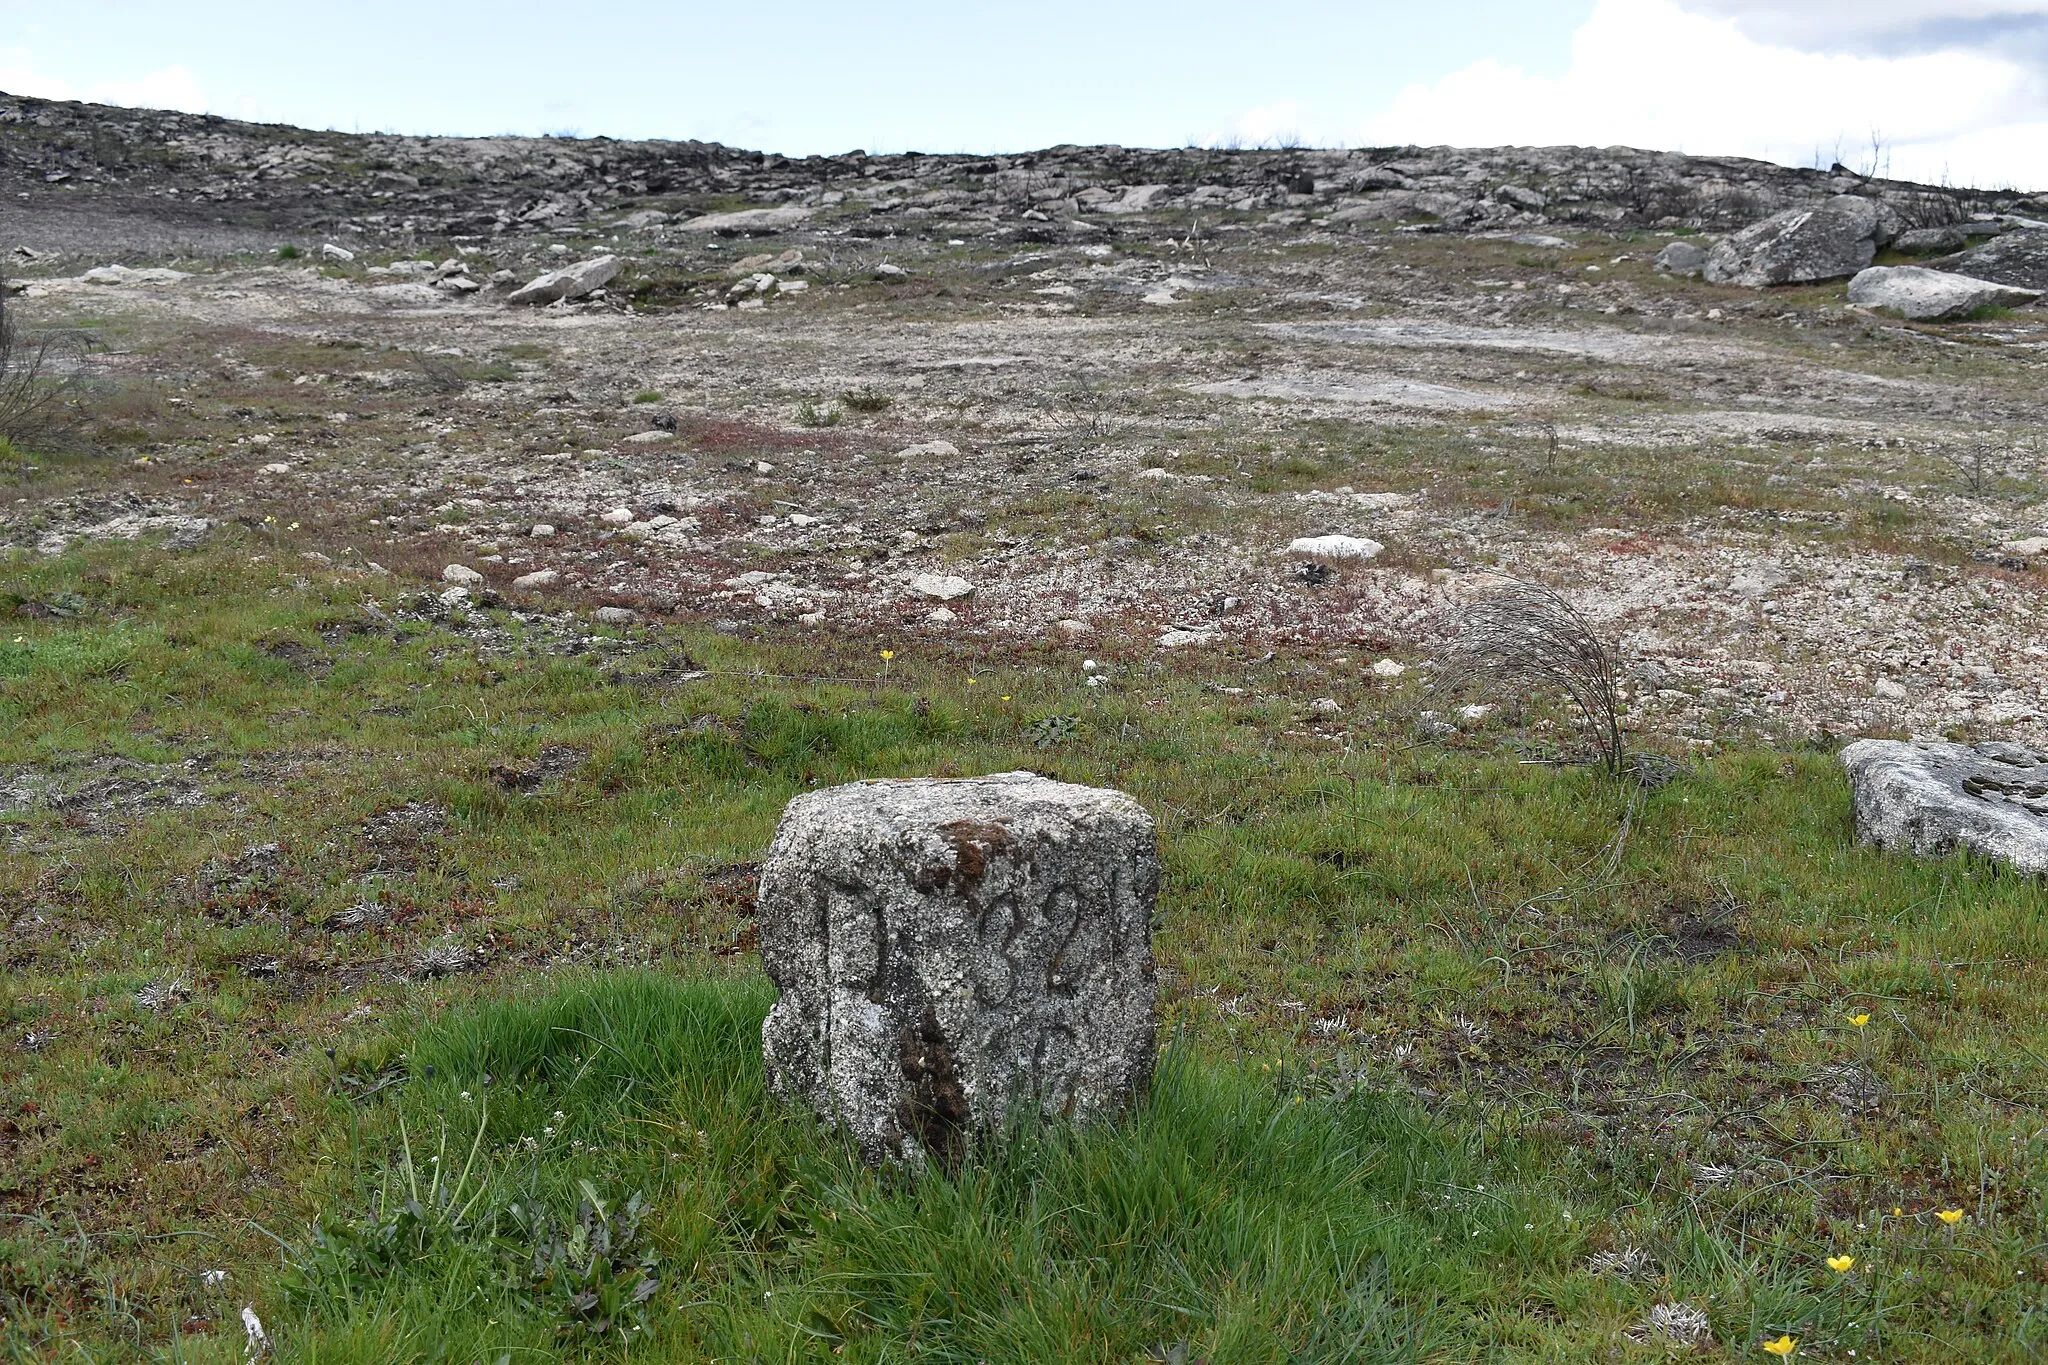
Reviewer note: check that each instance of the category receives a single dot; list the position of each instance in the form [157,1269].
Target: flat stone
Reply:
[1922,295]
[943,449]
[2032,547]
[460,573]
[1335,547]
[941,587]
[121,274]
[570,282]
[615,616]
[745,221]
[539,578]
[1931,798]
[955,955]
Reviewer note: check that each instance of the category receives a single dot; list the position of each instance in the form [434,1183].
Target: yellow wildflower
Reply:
[1841,1265]
[888,654]
[1859,1020]
[1783,1346]
[1949,1216]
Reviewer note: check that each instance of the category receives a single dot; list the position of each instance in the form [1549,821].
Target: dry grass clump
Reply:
[35,386]
[1523,638]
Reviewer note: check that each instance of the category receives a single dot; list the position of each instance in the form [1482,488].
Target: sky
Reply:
[1941,90]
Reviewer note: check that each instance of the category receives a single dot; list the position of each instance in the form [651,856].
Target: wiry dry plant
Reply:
[1522,637]
[34,394]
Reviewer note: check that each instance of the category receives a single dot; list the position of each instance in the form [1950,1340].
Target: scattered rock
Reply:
[945,450]
[1389,668]
[542,531]
[570,282]
[1931,798]
[121,274]
[2033,547]
[1922,295]
[1335,547]
[618,516]
[329,251]
[1682,258]
[941,587]
[461,573]
[1828,242]
[615,616]
[539,578]
[889,274]
[950,954]
[1325,708]
[1181,636]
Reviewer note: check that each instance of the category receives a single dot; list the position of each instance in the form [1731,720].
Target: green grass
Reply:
[1391,975]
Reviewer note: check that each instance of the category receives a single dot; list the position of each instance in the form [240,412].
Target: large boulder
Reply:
[952,955]
[2016,258]
[1829,242]
[1931,798]
[1922,295]
[570,282]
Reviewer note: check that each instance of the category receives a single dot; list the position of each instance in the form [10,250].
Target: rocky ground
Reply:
[1082,399]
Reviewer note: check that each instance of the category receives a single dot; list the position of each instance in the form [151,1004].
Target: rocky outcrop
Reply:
[1803,246]
[387,192]
[1931,799]
[1921,295]
[955,954]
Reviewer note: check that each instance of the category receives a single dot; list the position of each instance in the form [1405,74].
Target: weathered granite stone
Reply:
[951,954]
[1922,295]
[1932,798]
[570,282]
[1829,241]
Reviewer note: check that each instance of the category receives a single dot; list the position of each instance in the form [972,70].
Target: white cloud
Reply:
[1648,73]
[1827,25]
[170,87]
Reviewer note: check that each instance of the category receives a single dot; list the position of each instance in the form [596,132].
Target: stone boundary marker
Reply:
[953,955]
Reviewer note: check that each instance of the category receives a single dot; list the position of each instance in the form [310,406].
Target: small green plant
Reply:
[596,1269]
[1047,731]
[647,396]
[865,400]
[808,415]
[287,252]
